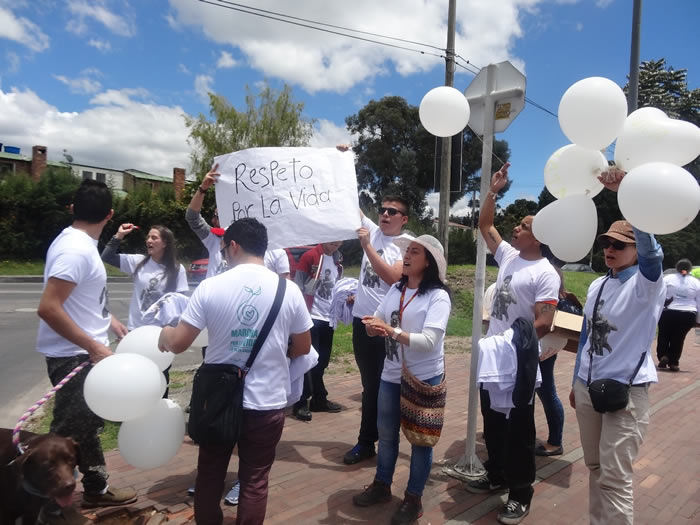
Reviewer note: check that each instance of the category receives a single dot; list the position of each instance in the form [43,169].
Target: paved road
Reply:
[23,377]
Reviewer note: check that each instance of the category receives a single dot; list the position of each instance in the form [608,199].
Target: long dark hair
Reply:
[431,277]
[169,260]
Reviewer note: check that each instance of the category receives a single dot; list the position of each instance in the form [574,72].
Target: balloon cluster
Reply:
[128,387]
[656,196]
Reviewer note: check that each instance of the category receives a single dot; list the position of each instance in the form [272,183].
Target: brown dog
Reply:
[45,471]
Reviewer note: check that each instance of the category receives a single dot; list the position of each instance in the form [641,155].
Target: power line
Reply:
[233,7]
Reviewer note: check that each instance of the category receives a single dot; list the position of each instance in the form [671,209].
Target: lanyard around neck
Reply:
[402,306]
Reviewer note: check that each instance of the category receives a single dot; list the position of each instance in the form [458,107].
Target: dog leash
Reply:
[35,406]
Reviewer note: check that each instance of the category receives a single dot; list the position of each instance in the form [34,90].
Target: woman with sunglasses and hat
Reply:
[412,318]
[619,325]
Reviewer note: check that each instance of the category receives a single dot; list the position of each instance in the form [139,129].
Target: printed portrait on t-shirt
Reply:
[104,301]
[324,287]
[391,347]
[371,279]
[150,295]
[598,331]
[503,298]
[223,266]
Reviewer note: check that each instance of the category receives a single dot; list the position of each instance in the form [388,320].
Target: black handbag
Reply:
[216,405]
[608,395]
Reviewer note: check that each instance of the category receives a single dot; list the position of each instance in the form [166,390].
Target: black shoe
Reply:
[540,450]
[377,492]
[513,513]
[674,368]
[325,406]
[301,411]
[483,485]
[358,453]
[663,362]
[409,510]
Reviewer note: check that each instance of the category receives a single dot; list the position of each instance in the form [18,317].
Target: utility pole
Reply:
[446,151]
[633,90]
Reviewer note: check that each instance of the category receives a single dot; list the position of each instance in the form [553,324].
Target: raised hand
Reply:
[500,178]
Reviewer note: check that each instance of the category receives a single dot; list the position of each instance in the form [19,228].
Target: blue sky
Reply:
[109,80]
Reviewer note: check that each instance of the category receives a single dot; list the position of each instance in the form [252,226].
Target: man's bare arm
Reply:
[177,339]
[301,344]
[488,207]
[544,317]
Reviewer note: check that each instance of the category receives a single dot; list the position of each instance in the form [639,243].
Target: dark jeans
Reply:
[72,418]
[369,356]
[322,341]
[511,447]
[553,409]
[260,432]
[674,325]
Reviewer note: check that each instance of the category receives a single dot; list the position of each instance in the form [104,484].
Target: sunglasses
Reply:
[390,211]
[606,243]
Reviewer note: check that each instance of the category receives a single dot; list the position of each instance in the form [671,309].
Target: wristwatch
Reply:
[397,333]
[202,190]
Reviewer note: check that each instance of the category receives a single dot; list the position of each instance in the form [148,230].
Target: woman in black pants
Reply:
[679,316]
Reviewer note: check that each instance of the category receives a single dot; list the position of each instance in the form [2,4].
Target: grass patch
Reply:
[37,268]
[578,283]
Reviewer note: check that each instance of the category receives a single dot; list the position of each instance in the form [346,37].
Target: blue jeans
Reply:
[388,424]
[553,409]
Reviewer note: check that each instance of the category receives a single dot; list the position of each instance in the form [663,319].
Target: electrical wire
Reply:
[222,3]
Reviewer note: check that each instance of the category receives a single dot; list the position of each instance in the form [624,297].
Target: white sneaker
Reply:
[232,496]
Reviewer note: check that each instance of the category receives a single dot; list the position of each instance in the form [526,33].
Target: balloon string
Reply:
[35,406]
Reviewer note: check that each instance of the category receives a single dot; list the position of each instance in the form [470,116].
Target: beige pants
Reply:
[610,445]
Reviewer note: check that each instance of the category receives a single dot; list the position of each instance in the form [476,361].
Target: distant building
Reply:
[122,182]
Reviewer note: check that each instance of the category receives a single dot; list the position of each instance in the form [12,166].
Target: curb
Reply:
[40,279]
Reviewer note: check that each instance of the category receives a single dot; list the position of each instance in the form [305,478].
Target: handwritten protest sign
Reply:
[302,195]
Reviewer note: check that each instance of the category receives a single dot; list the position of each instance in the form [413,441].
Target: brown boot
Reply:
[377,492]
[113,496]
[409,510]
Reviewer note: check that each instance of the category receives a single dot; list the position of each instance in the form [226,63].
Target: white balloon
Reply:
[444,111]
[650,136]
[123,387]
[568,226]
[573,170]
[202,339]
[659,198]
[154,438]
[144,341]
[592,112]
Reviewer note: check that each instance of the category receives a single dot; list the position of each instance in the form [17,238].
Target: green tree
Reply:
[270,118]
[396,154]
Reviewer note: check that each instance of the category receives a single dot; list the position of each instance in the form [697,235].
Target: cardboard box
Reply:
[565,326]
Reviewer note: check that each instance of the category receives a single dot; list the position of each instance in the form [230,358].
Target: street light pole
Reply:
[446,150]
[633,89]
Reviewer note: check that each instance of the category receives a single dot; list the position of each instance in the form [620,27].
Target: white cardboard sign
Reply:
[301,195]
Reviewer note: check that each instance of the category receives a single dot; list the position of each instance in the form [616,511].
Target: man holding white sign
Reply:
[302,195]
[382,266]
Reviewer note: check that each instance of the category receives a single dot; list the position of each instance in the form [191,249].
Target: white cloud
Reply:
[119,97]
[460,208]
[22,30]
[203,86]
[226,60]
[13,62]
[319,61]
[96,10]
[327,134]
[182,68]
[579,27]
[101,45]
[603,3]
[81,85]
[130,134]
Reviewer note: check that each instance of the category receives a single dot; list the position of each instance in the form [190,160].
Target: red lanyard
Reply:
[402,306]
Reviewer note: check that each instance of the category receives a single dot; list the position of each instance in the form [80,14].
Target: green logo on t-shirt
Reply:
[247,313]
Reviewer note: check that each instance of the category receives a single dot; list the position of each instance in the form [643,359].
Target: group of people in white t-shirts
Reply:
[400,313]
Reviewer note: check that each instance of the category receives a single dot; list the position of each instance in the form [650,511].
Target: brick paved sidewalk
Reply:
[310,484]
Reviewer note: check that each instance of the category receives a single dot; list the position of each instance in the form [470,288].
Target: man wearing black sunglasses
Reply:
[382,266]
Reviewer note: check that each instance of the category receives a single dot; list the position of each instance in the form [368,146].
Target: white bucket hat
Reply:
[431,244]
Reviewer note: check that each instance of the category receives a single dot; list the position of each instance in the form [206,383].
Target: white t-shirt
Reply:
[277,261]
[372,289]
[233,307]
[323,292]
[431,310]
[627,316]
[149,285]
[217,264]
[520,284]
[685,290]
[73,257]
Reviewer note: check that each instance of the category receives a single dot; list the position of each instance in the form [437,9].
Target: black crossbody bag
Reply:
[608,395]
[216,406]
